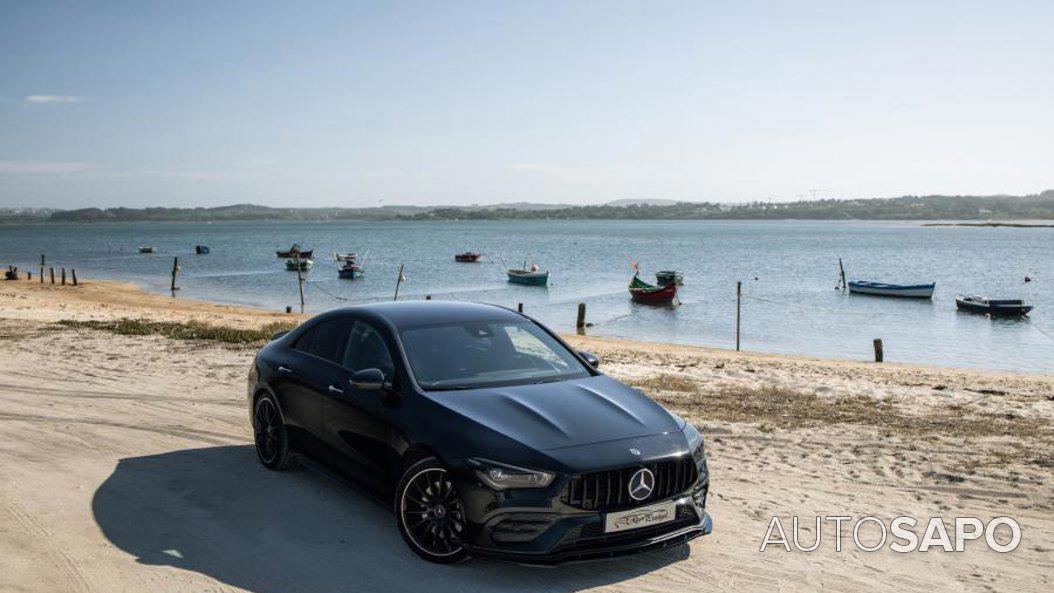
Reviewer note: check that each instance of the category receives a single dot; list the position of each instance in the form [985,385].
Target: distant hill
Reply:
[935,207]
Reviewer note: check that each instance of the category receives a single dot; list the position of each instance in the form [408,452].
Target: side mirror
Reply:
[590,358]
[368,379]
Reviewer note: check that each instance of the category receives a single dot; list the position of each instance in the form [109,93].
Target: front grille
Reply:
[609,490]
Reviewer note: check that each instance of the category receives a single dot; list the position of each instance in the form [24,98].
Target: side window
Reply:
[367,350]
[325,340]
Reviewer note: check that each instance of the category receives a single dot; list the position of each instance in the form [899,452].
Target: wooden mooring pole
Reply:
[300,282]
[52,272]
[175,271]
[878,350]
[74,274]
[841,271]
[580,323]
[64,276]
[739,297]
[42,269]
[398,281]
[519,307]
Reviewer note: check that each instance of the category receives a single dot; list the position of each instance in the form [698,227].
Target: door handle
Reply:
[285,370]
[335,390]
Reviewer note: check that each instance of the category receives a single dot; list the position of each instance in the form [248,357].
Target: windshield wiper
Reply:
[449,388]
[553,380]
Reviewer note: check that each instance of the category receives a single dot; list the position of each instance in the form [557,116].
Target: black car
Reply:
[489,434]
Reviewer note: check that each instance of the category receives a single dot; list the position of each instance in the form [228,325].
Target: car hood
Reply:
[563,414]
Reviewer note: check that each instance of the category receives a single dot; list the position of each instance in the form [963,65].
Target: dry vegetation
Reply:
[187,330]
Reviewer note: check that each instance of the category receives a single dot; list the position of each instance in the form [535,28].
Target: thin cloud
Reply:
[44,99]
[44,167]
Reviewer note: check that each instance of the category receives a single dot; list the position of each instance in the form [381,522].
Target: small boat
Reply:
[532,277]
[301,264]
[345,257]
[467,257]
[294,252]
[669,277]
[911,291]
[201,249]
[642,292]
[350,270]
[146,249]
[986,306]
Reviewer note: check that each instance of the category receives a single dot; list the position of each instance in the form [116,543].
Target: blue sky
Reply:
[363,103]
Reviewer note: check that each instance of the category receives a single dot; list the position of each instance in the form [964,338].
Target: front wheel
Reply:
[429,512]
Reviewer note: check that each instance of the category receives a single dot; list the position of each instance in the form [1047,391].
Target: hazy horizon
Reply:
[416,103]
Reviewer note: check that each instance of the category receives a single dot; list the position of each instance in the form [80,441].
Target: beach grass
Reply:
[186,330]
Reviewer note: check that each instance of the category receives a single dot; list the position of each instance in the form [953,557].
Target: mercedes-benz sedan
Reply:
[489,434]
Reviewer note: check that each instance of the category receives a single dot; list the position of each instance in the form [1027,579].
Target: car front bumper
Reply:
[581,536]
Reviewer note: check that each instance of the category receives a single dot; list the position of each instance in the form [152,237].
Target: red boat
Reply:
[642,292]
[468,256]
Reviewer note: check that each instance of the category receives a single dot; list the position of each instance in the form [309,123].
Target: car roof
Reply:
[403,314]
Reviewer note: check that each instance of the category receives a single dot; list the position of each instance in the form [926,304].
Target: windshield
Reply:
[487,354]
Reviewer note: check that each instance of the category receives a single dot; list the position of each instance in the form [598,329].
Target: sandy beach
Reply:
[128,466]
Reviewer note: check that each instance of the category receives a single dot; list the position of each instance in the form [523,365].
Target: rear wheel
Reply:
[429,512]
[271,436]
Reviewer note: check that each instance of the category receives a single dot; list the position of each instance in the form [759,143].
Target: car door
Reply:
[359,423]
[310,372]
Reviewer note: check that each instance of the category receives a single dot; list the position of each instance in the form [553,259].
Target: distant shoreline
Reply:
[1022,225]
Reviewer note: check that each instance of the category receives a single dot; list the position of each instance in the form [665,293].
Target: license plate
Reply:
[655,514]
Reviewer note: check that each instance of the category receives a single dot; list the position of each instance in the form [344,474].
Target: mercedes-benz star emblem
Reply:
[635,451]
[641,484]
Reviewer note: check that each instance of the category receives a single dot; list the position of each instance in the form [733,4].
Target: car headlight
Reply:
[500,476]
[695,442]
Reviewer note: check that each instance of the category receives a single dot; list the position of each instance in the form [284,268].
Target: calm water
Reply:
[788,269]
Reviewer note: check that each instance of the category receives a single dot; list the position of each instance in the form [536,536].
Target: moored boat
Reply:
[294,252]
[302,264]
[911,291]
[987,306]
[532,277]
[201,249]
[345,257]
[146,249]
[642,292]
[467,257]
[350,271]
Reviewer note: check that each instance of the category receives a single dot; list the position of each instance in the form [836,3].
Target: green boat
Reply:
[303,264]
[529,277]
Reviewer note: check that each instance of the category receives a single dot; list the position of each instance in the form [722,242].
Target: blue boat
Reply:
[992,307]
[909,291]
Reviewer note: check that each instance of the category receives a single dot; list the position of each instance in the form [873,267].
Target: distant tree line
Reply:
[1035,206]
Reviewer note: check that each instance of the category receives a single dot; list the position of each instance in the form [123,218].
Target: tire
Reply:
[270,434]
[429,512]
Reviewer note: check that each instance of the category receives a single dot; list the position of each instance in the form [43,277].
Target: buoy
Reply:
[1028,278]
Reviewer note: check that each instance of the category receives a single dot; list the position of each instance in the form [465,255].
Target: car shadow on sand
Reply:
[216,511]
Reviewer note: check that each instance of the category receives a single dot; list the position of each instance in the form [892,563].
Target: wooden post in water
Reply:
[519,307]
[64,276]
[52,272]
[739,295]
[841,271]
[428,297]
[74,274]
[300,282]
[29,275]
[398,281]
[175,270]
[580,323]
[41,268]
[878,350]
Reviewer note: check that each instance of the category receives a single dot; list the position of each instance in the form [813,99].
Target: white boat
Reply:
[910,291]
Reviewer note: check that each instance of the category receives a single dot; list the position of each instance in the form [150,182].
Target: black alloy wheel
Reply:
[272,439]
[429,512]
